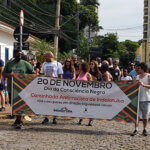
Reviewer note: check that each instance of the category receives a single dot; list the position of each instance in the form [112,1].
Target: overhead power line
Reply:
[45,13]
[37,10]
[38,19]
[32,24]
[121,29]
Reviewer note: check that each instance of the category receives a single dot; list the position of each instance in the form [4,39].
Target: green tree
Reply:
[94,3]
[40,19]
[40,47]
[110,45]
[131,48]
[84,48]
[140,41]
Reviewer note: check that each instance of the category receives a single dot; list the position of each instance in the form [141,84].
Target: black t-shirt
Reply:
[115,73]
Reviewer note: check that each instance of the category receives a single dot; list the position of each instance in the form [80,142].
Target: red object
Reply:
[21,18]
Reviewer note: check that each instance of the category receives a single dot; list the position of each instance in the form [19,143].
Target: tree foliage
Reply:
[94,3]
[131,48]
[40,47]
[125,51]
[40,19]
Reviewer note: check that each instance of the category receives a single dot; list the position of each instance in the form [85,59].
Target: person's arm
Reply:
[146,85]
[6,73]
[107,76]
[60,70]
[1,71]
[89,77]
[74,76]
[119,76]
[60,76]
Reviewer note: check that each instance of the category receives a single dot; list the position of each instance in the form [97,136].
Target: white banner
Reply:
[59,97]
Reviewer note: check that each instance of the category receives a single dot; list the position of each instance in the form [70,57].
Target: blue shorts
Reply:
[5,93]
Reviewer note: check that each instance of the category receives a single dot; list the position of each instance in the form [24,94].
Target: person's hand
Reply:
[141,83]
[11,74]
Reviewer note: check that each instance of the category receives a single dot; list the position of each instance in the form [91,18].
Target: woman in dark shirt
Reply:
[94,71]
[69,71]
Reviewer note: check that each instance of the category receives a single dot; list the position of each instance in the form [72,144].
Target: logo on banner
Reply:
[85,110]
[63,110]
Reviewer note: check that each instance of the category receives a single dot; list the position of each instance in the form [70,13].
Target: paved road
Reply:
[67,135]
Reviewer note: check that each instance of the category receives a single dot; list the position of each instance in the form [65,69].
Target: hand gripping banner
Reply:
[39,95]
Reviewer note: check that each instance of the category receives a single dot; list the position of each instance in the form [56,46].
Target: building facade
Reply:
[7,41]
[143,52]
[146,32]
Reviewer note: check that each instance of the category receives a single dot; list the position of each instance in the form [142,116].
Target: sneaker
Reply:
[144,132]
[2,109]
[27,118]
[45,121]
[18,125]
[54,121]
[80,121]
[17,122]
[134,133]
[89,124]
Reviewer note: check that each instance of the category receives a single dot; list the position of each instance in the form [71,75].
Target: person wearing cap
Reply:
[51,68]
[16,65]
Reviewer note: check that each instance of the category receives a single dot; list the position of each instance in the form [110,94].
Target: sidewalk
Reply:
[6,114]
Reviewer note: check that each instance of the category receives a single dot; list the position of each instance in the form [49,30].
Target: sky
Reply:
[124,17]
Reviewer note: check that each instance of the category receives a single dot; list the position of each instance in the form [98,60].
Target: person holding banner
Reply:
[84,76]
[53,69]
[16,65]
[144,97]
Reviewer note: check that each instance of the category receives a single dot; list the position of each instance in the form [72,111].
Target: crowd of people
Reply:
[74,69]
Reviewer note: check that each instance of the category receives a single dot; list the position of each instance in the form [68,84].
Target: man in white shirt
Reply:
[144,97]
[51,68]
[125,75]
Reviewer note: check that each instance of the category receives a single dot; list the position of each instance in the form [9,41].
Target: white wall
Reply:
[6,41]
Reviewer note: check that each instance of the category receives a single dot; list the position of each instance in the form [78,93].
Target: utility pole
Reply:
[78,30]
[57,27]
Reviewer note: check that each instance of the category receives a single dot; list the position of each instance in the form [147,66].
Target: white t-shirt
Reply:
[126,78]
[144,93]
[52,69]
